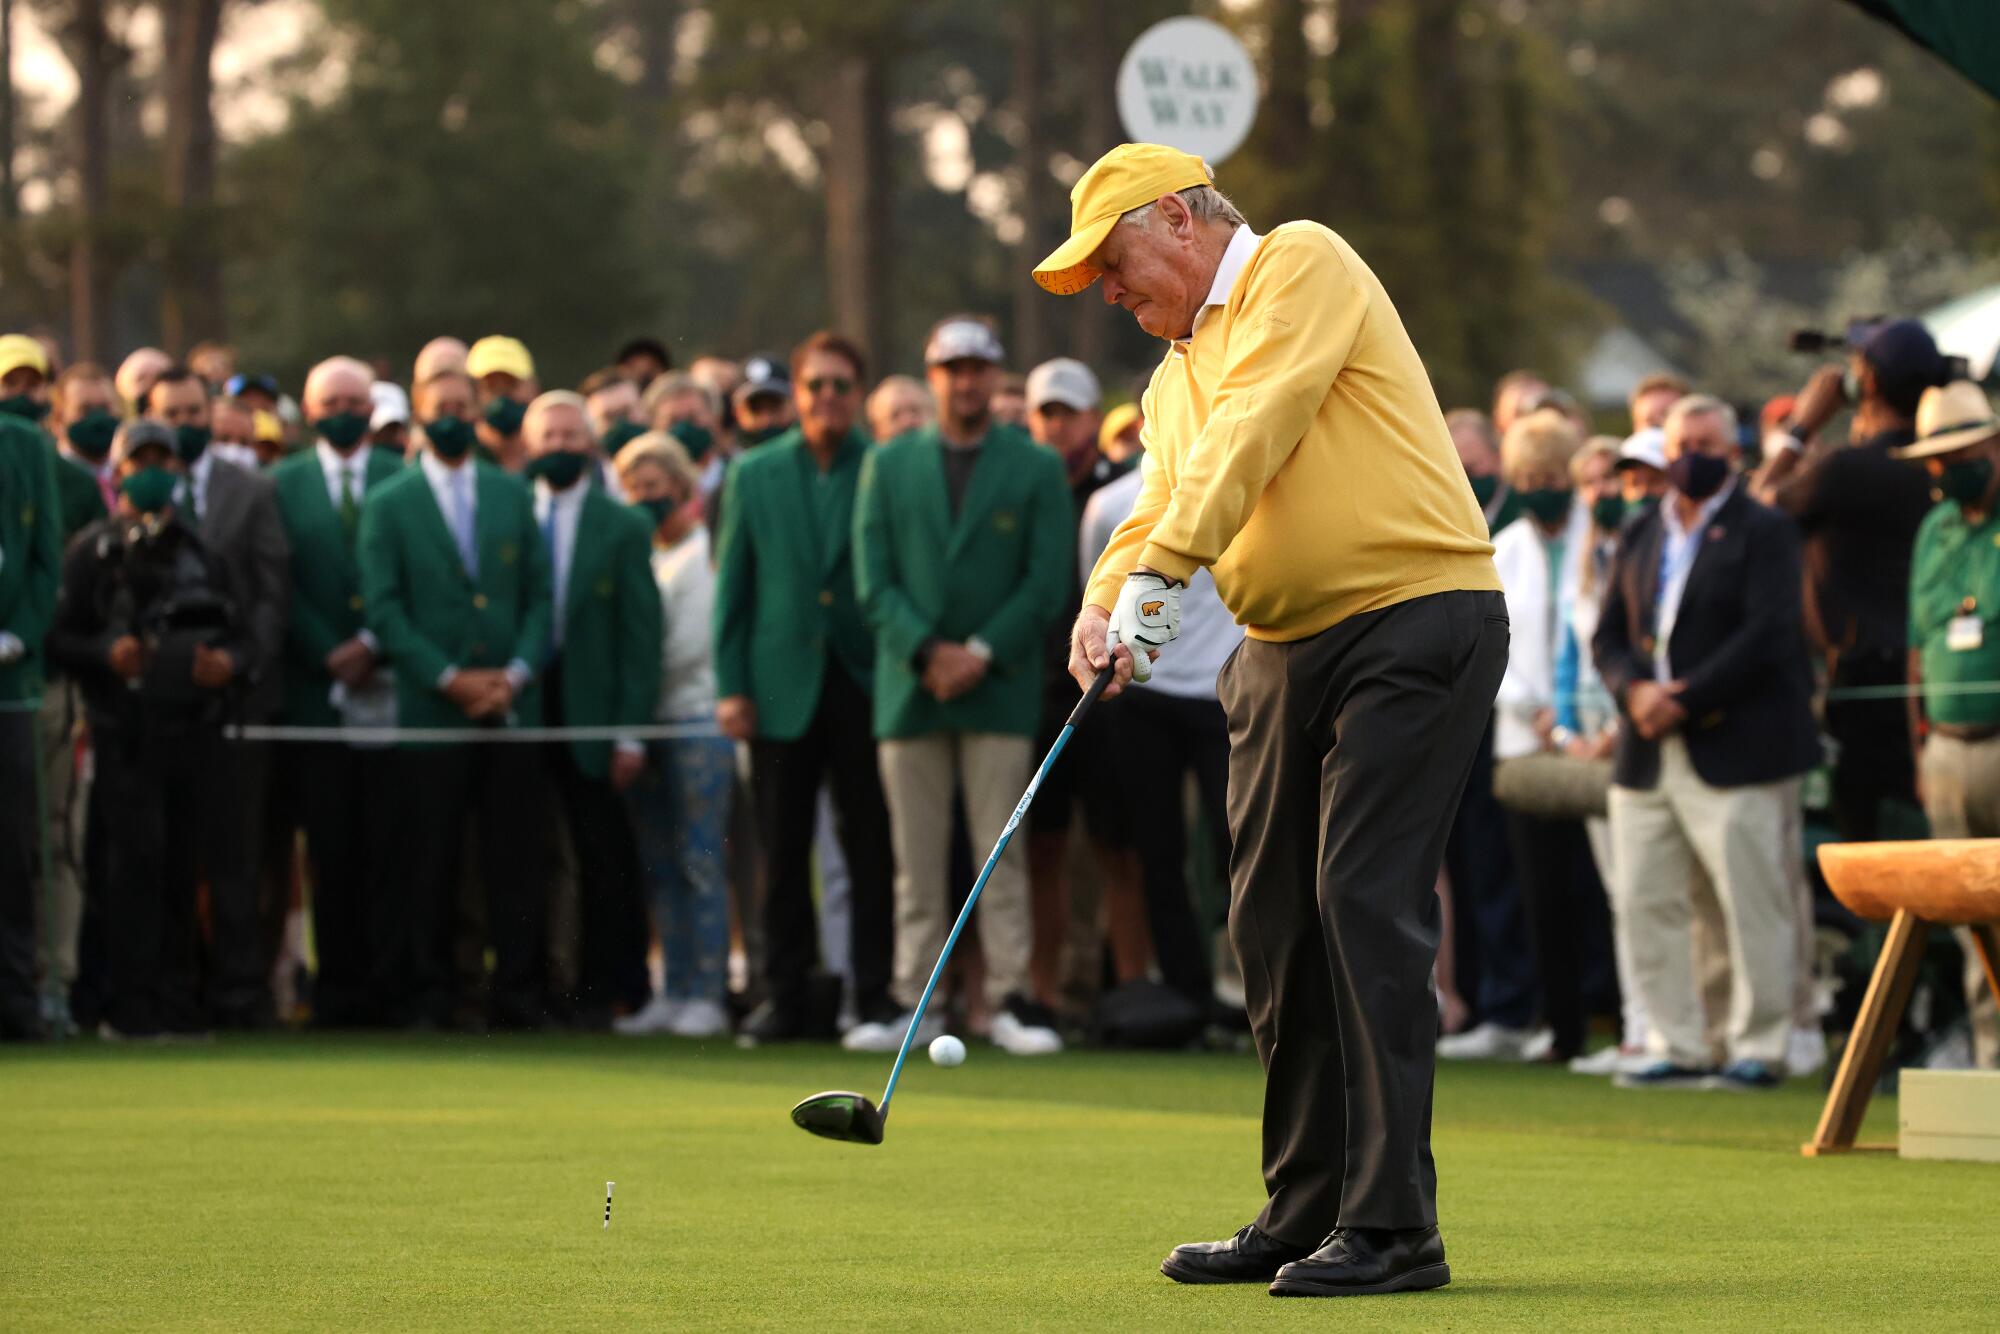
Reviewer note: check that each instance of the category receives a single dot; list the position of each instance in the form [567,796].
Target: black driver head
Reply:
[840,1115]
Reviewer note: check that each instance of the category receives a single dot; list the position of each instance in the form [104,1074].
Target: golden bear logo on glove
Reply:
[1151,608]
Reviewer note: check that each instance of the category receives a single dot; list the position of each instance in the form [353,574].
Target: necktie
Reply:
[350,507]
[468,550]
[555,575]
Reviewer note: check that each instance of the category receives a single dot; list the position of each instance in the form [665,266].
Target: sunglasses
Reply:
[830,384]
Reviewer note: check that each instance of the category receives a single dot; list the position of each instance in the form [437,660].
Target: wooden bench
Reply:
[1913,887]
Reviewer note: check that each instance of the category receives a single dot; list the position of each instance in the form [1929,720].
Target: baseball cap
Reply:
[18,350]
[1116,422]
[391,405]
[1647,448]
[1906,361]
[136,435]
[497,354]
[267,428]
[1128,177]
[1064,380]
[763,375]
[957,339]
[266,384]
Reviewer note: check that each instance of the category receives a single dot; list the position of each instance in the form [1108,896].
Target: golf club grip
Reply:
[1090,695]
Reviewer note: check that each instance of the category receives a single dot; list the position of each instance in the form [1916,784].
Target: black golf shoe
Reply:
[1247,1257]
[1360,1260]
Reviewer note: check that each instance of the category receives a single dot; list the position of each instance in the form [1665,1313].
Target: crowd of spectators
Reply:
[280,674]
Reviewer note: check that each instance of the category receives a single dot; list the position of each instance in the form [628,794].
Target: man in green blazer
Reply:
[455,589]
[794,663]
[603,670]
[962,544]
[82,499]
[334,675]
[30,573]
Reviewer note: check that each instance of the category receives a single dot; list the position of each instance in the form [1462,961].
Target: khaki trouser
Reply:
[919,775]
[1961,782]
[1734,834]
[62,835]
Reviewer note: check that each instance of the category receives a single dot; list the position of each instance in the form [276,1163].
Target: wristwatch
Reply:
[1561,736]
[979,649]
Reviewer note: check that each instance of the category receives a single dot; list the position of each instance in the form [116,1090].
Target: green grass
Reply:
[309,1183]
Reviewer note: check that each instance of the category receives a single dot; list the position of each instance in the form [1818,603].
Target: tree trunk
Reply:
[1100,42]
[90,279]
[1030,85]
[654,22]
[191,309]
[10,195]
[857,201]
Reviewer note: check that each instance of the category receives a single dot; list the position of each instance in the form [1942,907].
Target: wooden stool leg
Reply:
[1874,1030]
[1986,936]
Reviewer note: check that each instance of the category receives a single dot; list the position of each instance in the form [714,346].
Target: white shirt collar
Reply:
[441,476]
[333,464]
[1242,244]
[200,469]
[1670,512]
[564,501]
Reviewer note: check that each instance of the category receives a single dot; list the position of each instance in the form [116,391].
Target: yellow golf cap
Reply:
[1129,176]
[1116,422]
[497,354]
[18,350]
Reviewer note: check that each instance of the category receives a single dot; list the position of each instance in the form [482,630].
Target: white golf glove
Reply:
[1148,616]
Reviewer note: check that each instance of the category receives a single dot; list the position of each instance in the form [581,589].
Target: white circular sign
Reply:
[1189,84]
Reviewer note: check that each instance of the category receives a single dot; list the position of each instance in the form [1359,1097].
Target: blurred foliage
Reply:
[575,172]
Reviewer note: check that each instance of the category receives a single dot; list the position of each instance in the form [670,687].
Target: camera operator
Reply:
[145,626]
[1858,508]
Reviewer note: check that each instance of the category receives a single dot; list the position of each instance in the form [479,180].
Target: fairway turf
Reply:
[295,1183]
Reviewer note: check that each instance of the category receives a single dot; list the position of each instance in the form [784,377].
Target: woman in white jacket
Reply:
[1541,557]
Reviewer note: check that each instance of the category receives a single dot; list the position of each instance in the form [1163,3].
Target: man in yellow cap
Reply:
[504,374]
[1295,449]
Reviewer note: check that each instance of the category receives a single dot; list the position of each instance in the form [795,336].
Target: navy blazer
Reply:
[1738,643]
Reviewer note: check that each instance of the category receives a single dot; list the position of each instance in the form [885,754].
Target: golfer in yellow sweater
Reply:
[1294,448]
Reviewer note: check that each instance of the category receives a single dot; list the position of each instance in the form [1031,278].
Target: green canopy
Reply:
[1965,34]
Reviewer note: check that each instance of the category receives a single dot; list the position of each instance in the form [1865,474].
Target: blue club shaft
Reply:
[993,859]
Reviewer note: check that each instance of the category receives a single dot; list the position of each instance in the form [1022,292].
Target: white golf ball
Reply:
[947,1051]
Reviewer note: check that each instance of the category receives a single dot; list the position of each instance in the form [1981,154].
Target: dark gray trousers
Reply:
[1348,751]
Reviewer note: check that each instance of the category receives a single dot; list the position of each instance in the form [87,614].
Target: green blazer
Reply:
[785,600]
[326,605]
[76,490]
[612,626]
[999,571]
[31,553]
[429,614]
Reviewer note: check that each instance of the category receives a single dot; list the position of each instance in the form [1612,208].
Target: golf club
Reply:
[844,1115]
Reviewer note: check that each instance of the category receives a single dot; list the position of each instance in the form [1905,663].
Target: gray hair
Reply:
[1205,202]
[1703,405]
[674,383]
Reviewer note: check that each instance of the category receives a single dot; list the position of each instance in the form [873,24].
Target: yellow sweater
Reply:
[1296,448]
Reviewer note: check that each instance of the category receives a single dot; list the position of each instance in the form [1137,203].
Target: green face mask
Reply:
[342,430]
[23,405]
[151,489]
[618,435]
[1608,512]
[751,439]
[560,469]
[1548,506]
[1483,489]
[659,508]
[90,435]
[695,438]
[449,436]
[1966,482]
[190,442]
[504,415]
